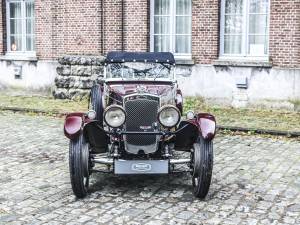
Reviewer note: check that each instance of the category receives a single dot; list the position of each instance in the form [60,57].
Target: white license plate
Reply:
[141,166]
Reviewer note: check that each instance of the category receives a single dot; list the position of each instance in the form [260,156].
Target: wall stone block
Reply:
[64,70]
[76,75]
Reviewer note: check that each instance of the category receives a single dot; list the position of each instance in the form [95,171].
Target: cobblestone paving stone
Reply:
[256,180]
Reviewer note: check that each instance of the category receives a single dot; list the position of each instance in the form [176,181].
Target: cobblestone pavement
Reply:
[255,181]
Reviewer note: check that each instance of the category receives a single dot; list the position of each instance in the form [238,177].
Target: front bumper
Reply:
[120,166]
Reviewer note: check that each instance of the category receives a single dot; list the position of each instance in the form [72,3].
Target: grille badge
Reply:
[141,89]
[145,127]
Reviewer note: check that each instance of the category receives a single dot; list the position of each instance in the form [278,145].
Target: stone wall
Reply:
[76,75]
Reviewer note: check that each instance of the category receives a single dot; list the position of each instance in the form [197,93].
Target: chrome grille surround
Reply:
[141,115]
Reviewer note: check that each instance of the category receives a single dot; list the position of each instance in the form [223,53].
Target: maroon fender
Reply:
[73,125]
[207,125]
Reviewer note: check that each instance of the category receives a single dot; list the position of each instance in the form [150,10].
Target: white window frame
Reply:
[180,56]
[245,35]
[23,52]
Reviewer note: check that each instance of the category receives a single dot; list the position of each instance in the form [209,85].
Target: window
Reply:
[244,28]
[20,26]
[171,27]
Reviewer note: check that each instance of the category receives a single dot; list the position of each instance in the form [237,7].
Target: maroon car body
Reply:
[136,123]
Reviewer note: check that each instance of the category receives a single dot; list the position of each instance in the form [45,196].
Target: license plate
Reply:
[141,166]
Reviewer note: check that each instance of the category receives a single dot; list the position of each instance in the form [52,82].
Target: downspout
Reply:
[102,27]
[122,34]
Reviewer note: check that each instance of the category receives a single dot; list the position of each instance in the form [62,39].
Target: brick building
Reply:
[234,51]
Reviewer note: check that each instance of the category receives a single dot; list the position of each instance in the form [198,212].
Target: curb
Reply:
[220,127]
[261,131]
[29,110]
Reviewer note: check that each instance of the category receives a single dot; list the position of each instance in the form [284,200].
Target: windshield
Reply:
[138,70]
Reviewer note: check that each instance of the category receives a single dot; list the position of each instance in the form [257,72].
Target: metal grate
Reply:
[141,116]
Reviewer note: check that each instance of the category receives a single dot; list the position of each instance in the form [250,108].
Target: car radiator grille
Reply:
[141,114]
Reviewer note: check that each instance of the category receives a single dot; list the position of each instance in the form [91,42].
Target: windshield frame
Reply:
[171,76]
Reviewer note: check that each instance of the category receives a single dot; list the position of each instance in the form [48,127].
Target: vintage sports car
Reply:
[135,125]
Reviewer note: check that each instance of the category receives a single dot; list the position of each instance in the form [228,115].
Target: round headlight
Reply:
[114,116]
[168,116]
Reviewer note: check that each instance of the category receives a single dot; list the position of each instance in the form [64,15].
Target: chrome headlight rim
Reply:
[91,114]
[168,107]
[108,109]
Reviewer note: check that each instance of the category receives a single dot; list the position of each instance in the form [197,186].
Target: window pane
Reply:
[183,7]
[15,10]
[233,44]
[259,6]
[16,26]
[233,24]
[29,26]
[258,24]
[16,42]
[30,43]
[183,25]
[161,25]
[234,6]
[162,43]
[258,45]
[29,9]
[183,44]
[161,7]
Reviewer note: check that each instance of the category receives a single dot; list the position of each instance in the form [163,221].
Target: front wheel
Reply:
[202,163]
[79,166]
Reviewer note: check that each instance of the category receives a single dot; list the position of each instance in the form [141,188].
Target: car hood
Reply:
[166,91]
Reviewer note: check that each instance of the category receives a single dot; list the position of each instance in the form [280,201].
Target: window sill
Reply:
[19,57]
[243,62]
[187,62]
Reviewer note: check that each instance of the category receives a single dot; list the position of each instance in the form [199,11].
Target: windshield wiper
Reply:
[145,71]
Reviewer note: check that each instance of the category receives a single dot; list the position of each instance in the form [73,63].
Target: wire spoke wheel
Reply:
[202,164]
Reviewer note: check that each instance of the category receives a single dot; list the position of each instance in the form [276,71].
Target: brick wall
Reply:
[135,25]
[285,33]
[2,27]
[137,28]
[113,25]
[75,27]
[205,31]
[43,26]
[68,27]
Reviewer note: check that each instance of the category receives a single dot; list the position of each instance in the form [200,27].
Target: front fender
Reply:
[189,130]
[207,125]
[73,125]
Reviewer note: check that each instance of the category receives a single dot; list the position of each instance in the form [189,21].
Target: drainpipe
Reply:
[102,27]
[123,16]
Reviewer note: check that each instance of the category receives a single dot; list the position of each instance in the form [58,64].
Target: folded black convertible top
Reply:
[159,57]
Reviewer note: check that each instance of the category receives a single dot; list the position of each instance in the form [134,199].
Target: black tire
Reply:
[79,166]
[202,167]
[96,102]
